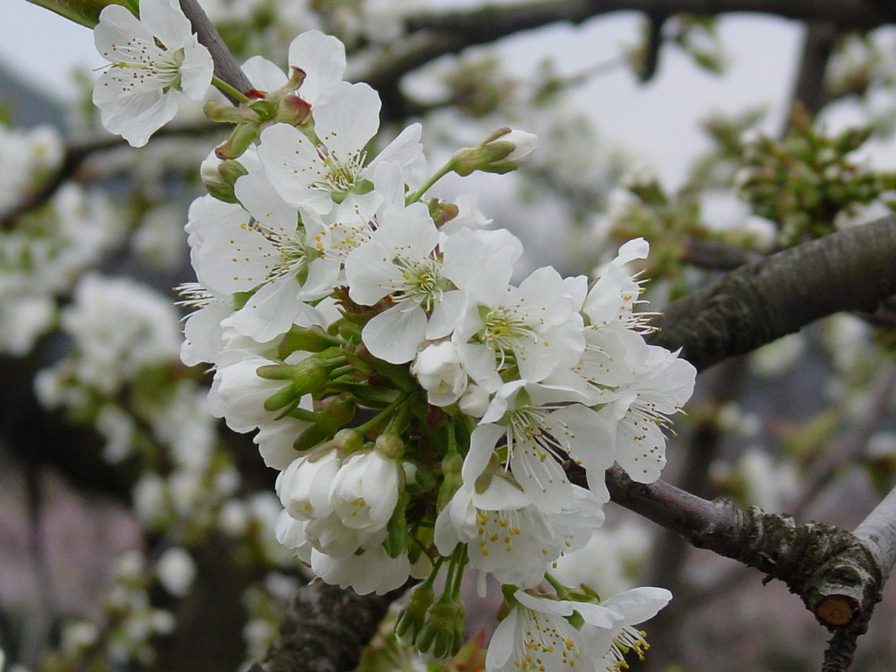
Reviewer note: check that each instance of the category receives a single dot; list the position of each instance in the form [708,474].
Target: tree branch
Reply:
[436,34]
[818,46]
[226,66]
[74,157]
[494,21]
[759,303]
[326,630]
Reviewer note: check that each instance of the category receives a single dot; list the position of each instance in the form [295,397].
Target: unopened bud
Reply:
[241,138]
[500,153]
[220,177]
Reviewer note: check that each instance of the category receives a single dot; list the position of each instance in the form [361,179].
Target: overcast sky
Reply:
[657,121]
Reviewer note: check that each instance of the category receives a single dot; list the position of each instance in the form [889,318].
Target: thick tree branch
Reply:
[435,34]
[494,21]
[756,304]
[326,630]
[717,255]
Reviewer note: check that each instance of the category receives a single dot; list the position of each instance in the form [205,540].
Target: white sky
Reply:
[657,121]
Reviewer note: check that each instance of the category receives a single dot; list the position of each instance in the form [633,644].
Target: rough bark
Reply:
[327,630]
[759,303]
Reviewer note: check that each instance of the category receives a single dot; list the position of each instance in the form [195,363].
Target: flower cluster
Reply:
[425,412]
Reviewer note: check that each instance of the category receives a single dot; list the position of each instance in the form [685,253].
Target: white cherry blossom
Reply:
[538,633]
[154,59]
[439,371]
[304,486]
[320,171]
[364,491]
[534,327]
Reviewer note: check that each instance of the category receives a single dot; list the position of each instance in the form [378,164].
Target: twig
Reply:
[226,66]
[818,46]
[74,157]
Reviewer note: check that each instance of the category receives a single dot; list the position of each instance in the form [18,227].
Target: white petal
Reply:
[321,57]
[347,118]
[270,312]
[395,335]
[165,20]
[264,75]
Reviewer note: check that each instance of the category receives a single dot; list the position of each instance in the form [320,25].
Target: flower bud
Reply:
[241,138]
[500,153]
[348,441]
[219,177]
[389,445]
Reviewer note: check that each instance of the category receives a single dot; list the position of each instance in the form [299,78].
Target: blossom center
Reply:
[147,65]
[339,176]
[502,330]
[421,282]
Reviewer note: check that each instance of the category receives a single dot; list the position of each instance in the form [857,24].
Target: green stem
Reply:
[562,591]
[228,90]
[382,415]
[438,175]
[461,559]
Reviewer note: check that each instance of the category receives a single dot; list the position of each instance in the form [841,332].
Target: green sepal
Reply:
[307,339]
[282,398]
